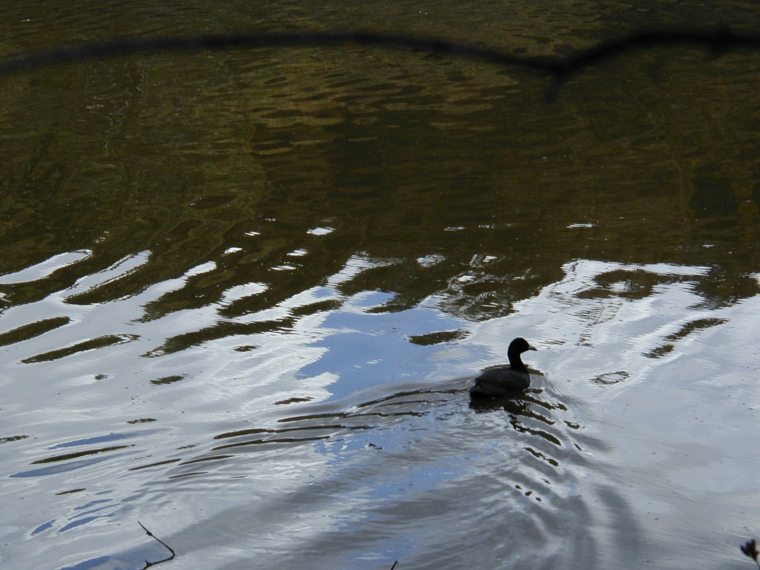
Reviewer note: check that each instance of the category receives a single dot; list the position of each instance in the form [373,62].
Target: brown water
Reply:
[242,295]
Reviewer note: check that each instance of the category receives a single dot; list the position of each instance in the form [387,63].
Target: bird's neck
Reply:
[516,362]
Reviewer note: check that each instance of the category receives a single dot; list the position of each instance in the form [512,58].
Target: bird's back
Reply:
[500,381]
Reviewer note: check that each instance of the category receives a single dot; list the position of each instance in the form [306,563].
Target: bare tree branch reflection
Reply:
[716,42]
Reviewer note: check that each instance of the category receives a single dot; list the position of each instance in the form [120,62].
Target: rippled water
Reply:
[243,295]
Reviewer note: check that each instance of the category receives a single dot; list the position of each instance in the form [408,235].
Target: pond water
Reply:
[243,295]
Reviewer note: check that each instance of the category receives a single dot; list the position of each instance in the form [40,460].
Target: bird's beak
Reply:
[531,347]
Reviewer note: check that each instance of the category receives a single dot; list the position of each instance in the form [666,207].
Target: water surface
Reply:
[243,295]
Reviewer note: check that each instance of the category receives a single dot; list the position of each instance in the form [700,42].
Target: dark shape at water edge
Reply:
[503,381]
[750,549]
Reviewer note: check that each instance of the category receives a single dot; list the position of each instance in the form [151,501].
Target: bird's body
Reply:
[505,380]
[500,381]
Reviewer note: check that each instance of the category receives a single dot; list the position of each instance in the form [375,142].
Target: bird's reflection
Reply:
[524,410]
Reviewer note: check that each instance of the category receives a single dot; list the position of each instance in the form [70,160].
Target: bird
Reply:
[505,380]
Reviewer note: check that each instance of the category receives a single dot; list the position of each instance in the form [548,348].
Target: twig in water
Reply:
[162,543]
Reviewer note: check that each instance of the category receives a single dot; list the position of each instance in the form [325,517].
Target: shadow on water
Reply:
[397,466]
